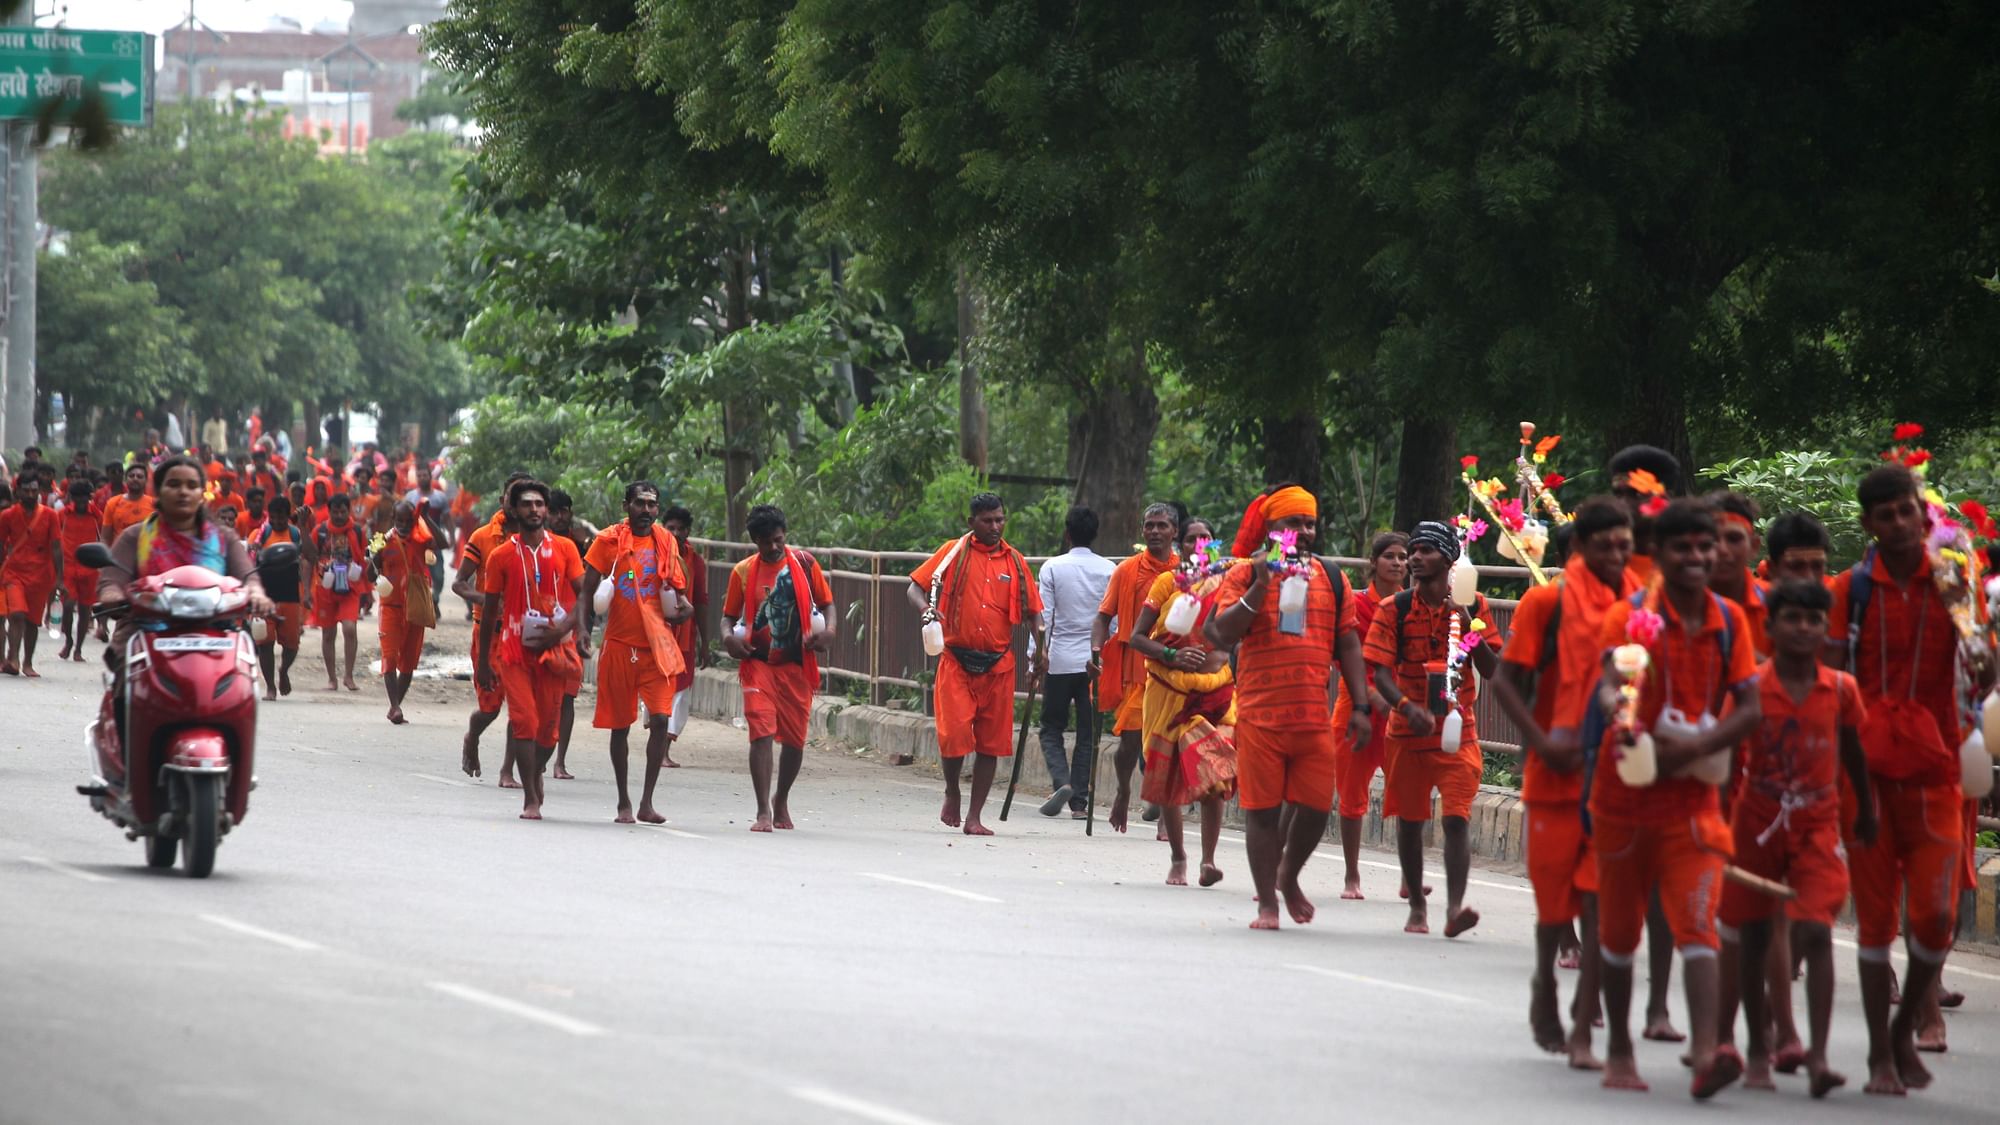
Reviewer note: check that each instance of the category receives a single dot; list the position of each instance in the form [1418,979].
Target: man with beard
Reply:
[526,644]
[640,661]
[1122,688]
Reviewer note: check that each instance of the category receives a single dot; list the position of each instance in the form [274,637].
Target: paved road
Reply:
[383,940]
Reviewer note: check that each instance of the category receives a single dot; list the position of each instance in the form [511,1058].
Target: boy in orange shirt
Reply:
[1787,827]
[526,633]
[1122,689]
[1356,763]
[1736,547]
[130,507]
[639,662]
[1409,642]
[1669,835]
[79,526]
[1284,713]
[401,561]
[1893,633]
[31,538]
[1554,657]
[776,615]
[978,588]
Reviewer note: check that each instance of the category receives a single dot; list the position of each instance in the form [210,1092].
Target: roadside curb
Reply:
[1499,819]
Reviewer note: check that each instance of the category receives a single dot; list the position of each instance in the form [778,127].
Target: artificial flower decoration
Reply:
[1467,462]
[1510,514]
[1907,431]
[1644,626]
[1644,482]
[1651,509]
[1981,520]
[1554,481]
[1545,446]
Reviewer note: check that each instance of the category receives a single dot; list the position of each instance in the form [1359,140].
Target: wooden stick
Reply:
[1770,887]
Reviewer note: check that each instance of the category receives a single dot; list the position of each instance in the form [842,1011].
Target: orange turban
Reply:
[1288,501]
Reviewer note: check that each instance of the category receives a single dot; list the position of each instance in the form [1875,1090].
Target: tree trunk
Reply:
[1653,411]
[1293,447]
[1427,485]
[315,437]
[738,458]
[1110,449]
[971,398]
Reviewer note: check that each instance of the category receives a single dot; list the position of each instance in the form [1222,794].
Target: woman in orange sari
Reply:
[1189,713]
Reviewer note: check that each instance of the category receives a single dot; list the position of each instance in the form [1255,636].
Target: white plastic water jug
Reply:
[1638,766]
[1453,732]
[1464,582]
[1182,613]
[933,638]
[1975,766]
[1292,594]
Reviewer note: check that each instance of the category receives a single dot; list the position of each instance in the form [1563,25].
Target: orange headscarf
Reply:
[1286,502]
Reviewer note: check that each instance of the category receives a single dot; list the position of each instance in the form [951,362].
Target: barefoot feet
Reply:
[1210,874]
[1177,873]
[1660,1029]
[1121,808]
[1458,921]
[562,774]
[974,828]
[762,823]
[1544,1017]
[1267,918]
[624,815]
[1419,921]
[468,756]
[948,815]
[1351,889]
[781,815]
[649,816]
[1757,1073]
[1580,1055]
[1621,1072]
[507,781]
[1296,903]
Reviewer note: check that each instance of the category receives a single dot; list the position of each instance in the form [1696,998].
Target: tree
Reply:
[104,340]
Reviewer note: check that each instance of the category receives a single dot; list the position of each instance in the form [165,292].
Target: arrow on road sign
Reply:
[123,88]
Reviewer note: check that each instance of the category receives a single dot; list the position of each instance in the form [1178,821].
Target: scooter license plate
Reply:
[194,644]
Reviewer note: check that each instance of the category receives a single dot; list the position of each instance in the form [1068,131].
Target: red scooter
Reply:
[190,703]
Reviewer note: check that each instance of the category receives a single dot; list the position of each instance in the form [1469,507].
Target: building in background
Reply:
[383,70]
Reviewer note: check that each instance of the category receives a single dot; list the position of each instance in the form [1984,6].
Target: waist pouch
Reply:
[974,661]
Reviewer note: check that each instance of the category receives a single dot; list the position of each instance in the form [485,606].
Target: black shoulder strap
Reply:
[1552,634]
[1860,587]
[1404,599]
[1339,591]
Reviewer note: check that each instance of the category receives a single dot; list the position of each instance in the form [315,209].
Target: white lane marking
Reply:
[938,887]
[869,1111]
[65,869]
[1948,966]
[441,780]
[286,940]
[314,750]
[515,1008]
[1378,982]
[677,832]
[1398,868]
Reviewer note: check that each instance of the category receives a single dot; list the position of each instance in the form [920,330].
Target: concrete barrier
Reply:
[1499,826]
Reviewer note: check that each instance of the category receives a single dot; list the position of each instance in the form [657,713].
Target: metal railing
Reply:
[879,641]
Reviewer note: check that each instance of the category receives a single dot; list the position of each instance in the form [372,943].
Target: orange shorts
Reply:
[29,598]
[777,700]
[81,586]
[534,702]
[626,677]
[1276,767]
[1682,859]
[1808,857]
[402,643]
[1561,864]
[1913,865]
[288,625]
[1131,714]
[1354,770]
[975,714]
[488,702]
[330,609]
[1455,777]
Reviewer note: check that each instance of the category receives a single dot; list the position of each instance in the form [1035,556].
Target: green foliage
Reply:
[103,339]
[1802,481]
[289,272]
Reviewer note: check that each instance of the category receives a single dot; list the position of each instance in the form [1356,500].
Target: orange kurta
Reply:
[400,561]
[983,596]
[1121,688]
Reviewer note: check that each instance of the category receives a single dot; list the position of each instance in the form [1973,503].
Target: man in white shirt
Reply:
[1072,586]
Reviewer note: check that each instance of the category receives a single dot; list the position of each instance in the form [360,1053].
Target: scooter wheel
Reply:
[160,850]
[204,825]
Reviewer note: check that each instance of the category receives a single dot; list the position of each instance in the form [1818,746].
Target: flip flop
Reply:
[1054,805]
[1726,1067]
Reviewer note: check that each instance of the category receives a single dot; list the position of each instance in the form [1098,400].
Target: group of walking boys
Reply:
[1844,742]
[1845,782]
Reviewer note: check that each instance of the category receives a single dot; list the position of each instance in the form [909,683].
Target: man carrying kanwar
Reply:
[469,583]
[691,633]
[640,662]
[776,616]
[1291,620]
[526,633]
[978,590]
[1122,688]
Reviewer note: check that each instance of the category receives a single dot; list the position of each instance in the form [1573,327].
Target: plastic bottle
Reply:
[1638,766]
[601,601]
[1292,594]
[933,638]
[1989,723]
[1182,615]
[1452,734]
[1975,766]
[1464,582]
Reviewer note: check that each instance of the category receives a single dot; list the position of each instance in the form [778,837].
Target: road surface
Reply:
[384,941]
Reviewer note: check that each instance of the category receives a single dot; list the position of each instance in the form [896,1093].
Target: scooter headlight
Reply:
[192,605]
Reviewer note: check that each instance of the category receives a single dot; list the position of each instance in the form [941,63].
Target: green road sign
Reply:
[43,64]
